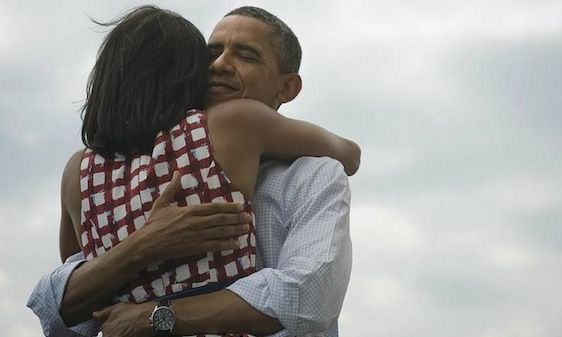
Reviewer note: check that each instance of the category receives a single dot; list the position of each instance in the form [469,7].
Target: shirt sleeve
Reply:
[46,300]
[305,291]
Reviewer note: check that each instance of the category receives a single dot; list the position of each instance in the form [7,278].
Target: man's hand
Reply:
[170,232]
[126,320]
[173,232]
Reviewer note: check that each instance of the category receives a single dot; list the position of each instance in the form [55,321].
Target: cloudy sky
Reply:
[457,212]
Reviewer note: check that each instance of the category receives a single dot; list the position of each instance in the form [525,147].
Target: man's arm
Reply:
[306,287]
[216,313]
[304,292]
[74,290]
[186,231]
[46,298]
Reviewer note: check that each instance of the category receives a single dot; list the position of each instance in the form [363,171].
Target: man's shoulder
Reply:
[317,162]
[284,187]
[303,166]
[305,171]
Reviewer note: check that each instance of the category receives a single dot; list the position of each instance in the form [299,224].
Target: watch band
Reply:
[162,333]
[164,303]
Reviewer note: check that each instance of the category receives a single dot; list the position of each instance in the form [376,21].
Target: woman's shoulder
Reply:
[239,107]
[73,165]
[242,112]
[70,185]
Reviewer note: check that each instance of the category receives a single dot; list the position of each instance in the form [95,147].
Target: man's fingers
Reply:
[215,208]
[219,245]
[167,196]
[219,220]
[103,315]
[225,232]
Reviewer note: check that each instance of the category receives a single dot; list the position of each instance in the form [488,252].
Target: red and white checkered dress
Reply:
[117,195]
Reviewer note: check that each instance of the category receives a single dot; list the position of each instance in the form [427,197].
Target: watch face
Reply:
[163,318]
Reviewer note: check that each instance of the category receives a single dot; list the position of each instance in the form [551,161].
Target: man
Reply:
[302,220]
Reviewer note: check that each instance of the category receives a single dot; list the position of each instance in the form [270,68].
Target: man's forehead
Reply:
[241,29]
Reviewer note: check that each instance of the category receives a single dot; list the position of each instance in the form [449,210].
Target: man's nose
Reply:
[222,64]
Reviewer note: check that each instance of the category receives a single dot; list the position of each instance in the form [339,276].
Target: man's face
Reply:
[243,62]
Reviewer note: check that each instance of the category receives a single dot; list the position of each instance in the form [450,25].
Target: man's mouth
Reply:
[219,87]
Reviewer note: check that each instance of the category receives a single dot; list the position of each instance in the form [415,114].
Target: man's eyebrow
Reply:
[237,47]
[247,47]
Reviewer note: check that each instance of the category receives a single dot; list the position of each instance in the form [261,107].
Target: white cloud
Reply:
[523,193]
[512,257]
[444,19]
[384,229]
[4,280]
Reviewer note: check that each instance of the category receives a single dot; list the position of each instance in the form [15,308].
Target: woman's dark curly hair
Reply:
[150,69]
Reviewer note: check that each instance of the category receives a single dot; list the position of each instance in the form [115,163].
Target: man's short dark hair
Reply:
[285,42]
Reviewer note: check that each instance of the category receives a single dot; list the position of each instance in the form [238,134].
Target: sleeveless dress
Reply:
[117,195]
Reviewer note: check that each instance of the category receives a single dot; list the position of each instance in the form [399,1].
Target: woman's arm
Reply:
[68,245]
[274,135]
[287,138]
[69,233]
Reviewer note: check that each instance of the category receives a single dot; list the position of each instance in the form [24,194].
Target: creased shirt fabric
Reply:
[303,253]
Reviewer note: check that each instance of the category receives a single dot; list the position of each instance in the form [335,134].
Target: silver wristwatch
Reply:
[163,318]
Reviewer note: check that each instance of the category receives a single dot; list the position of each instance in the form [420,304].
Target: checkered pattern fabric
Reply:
[117,195]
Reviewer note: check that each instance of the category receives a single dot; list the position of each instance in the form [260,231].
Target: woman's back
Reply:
[118,193]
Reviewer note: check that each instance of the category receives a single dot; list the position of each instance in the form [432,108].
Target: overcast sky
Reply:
[456,210]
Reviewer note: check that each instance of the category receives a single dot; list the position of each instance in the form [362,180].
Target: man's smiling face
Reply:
[243,62]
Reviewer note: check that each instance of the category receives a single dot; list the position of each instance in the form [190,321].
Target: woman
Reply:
[151,68]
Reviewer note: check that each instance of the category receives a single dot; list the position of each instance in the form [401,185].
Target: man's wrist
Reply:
[139,250]
[143,318]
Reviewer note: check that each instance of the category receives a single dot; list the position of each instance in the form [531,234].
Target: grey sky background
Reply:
[456,213]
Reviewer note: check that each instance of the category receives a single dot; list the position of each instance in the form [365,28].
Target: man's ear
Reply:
[291,86]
